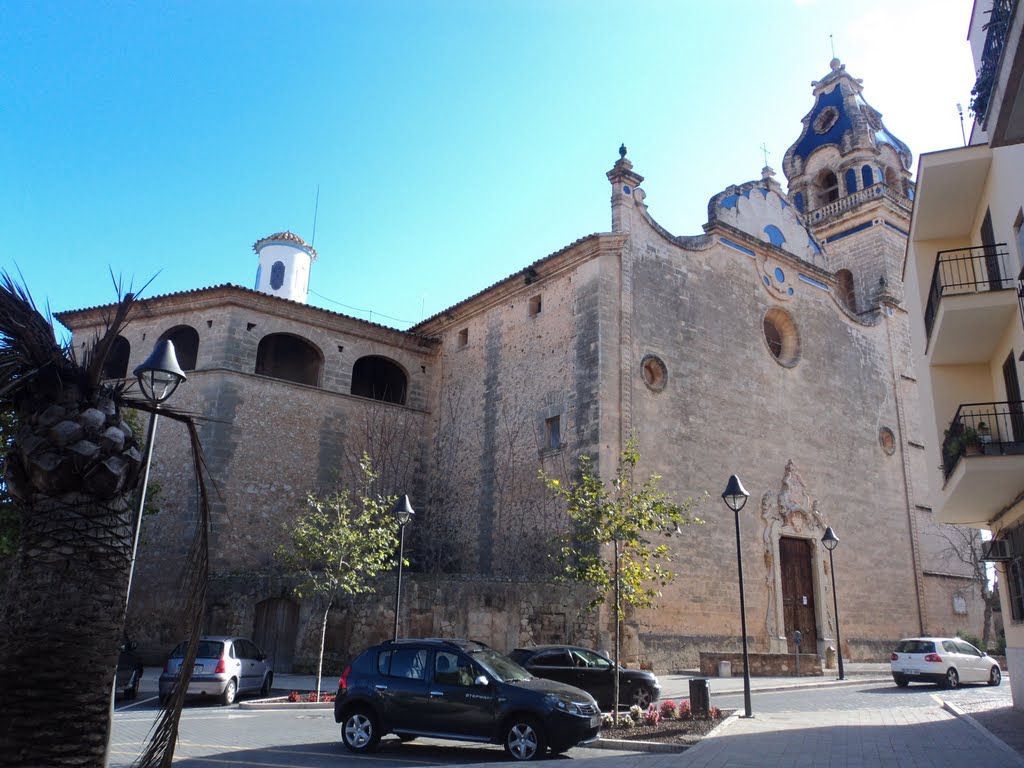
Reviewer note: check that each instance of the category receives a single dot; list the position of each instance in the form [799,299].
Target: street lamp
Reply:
[403,512]
[159,375]
[735,496]
[831,541]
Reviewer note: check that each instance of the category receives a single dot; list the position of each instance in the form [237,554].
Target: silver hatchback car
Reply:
[224,668]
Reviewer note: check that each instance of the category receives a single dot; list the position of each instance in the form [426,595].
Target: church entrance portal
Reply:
[796,562]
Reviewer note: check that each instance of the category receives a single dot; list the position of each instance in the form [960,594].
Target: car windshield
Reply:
[500,667]
[208,649]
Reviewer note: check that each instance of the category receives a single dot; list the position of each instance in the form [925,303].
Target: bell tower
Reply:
[284,262]
[850,178]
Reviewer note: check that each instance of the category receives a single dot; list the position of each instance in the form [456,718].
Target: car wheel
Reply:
[228,695]
[268,683]
[995,676]
[642,697]
[524,739]
[952,678]
[901,681]
[359,731]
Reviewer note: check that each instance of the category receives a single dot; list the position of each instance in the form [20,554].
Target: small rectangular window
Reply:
[535,306]
[464,338]
[553,433]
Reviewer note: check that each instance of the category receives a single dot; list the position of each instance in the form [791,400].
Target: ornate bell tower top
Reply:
[844,147]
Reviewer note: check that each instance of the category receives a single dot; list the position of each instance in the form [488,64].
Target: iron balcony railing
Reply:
[983,429]
[995,40]
[967,270]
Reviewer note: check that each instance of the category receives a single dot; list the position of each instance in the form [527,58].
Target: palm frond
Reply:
[159,751]
[28,344]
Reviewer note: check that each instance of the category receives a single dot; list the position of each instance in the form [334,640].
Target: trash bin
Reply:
[700,696]
[725,669]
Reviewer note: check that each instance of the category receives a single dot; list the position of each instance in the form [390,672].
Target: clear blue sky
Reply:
[453,141]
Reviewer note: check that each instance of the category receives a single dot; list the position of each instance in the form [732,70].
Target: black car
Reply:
[459,689]
[592,671]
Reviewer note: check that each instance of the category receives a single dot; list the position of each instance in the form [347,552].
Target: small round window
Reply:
[781,336]
[887,440]
[654,372]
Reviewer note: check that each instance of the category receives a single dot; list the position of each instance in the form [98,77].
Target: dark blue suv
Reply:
[459,689]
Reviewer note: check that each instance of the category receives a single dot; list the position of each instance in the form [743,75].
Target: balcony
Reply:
[995,40]
[969,304]
[982,461]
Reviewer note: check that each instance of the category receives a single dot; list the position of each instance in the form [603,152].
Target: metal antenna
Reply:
[960,109]
[833,44]
[316,209]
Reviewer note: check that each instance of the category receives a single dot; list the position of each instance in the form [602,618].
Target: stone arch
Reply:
[868,175]
[851,181]
[116,364]
[185,339]
[288,357]
[827,187]
[845,289]
[379,378]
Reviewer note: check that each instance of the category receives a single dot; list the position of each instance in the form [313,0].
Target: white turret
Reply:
[283,270]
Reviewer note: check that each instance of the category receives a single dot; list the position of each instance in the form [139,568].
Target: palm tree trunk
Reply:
[60,626]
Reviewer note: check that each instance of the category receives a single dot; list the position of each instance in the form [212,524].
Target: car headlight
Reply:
[566,706]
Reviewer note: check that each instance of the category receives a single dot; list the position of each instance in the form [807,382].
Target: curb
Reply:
[860,680]
[631,745]
[953,709]
[266,705]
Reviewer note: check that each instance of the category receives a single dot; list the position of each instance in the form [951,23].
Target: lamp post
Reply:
[831,541]
[404,513]
[158,376]
[735,496]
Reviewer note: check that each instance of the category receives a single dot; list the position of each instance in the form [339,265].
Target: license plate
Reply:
[197,669]
[595,721]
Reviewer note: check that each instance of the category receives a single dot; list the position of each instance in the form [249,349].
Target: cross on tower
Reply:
[765,150]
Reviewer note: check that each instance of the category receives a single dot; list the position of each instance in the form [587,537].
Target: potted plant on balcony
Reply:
[984,434]
[961,441]
[971,441]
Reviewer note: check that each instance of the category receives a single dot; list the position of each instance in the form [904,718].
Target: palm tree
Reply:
[72,472]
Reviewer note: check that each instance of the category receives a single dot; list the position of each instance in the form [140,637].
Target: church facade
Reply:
[774,345]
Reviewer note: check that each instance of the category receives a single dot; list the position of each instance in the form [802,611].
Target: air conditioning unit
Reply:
[997,550]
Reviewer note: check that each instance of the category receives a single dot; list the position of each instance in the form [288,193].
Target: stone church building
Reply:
[773,345]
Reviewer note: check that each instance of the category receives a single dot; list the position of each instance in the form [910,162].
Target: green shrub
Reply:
[972,639]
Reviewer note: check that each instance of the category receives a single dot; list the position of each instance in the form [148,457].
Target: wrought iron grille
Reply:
[989,429]
[967,270]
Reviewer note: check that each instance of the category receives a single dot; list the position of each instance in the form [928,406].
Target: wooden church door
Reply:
[795,560]
[277,626]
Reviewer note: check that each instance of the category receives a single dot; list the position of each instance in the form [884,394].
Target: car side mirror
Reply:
[132,645]
[482,681]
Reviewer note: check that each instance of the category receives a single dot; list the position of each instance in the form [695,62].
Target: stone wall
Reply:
[763,664]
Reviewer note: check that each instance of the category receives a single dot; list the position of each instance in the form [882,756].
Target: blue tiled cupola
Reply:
[844,147]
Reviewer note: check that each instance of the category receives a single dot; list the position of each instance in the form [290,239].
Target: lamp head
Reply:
[735,495]
[159,375]
[403,511]
[830,540]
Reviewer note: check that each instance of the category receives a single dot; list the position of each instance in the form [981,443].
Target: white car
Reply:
[946,661]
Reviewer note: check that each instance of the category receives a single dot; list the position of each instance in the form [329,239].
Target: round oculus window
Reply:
[887,440]
[781,336]
[826,119]
[654,372]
